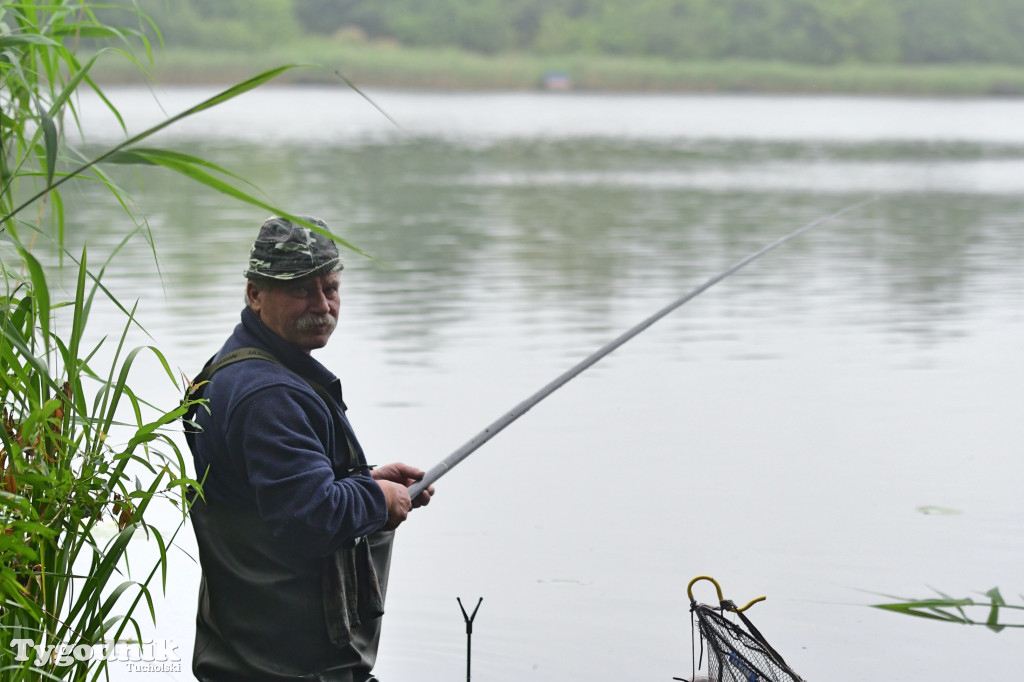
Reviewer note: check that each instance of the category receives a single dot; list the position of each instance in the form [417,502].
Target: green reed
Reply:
[83,455]
[389,65]
[956,610]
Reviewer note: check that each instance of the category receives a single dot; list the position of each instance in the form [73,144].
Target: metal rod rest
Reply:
[469,633]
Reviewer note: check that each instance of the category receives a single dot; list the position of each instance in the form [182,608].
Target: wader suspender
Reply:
[195,392]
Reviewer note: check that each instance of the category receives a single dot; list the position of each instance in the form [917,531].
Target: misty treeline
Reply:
[802,31]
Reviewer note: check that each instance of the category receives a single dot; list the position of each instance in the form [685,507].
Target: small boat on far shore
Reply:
[556,80]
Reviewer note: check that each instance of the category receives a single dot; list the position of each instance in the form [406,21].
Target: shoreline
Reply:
[387,66]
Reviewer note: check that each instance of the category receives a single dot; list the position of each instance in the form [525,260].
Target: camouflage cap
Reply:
[285,250]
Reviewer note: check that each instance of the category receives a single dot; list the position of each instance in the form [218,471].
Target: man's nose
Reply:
[319,302]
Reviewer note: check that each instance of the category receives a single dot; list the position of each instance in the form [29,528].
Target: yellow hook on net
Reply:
[727,605]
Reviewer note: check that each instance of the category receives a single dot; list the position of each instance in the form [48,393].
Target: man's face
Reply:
[304,311]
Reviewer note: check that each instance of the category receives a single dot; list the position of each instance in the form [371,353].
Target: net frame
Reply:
[737,651]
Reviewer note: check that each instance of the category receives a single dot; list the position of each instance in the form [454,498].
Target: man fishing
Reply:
[294,528]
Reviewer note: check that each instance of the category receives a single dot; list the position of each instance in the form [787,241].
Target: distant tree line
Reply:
[802,31]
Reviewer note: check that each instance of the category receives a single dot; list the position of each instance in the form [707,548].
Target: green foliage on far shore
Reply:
[385,65]
[811,32]
[915,47]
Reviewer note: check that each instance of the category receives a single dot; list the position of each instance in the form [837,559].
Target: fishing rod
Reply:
[449,462]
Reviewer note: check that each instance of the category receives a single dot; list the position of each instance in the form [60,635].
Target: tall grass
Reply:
[83,455]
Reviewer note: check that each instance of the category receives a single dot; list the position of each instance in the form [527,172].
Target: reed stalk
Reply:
[84,457]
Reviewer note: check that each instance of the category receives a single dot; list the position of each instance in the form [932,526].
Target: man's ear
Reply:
[254,295]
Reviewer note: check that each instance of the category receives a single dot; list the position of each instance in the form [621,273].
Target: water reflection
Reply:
[522,226]
[779,432]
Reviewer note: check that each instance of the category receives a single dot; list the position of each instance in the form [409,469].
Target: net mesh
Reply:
[737,652]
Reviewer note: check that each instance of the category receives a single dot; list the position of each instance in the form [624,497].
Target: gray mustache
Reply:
[310,322]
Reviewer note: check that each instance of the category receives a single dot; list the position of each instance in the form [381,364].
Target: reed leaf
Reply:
[150,156]
[219,98]
[955,610]
[993,615]
[99,574]
[49,131]
[26,39]
[87,31]
[193,169]
[41,293]
[81,447]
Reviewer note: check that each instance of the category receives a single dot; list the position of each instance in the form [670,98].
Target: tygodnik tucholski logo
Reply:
[147,655]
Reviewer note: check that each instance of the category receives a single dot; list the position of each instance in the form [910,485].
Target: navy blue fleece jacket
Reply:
[268,444]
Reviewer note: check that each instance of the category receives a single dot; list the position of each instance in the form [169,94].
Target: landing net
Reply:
[736,651]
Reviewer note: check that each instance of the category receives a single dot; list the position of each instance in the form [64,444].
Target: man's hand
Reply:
[394,479]
[399,504]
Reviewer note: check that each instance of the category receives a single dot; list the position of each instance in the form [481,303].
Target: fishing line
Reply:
[449,462]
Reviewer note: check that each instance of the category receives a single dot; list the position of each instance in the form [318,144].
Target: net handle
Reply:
[721,599]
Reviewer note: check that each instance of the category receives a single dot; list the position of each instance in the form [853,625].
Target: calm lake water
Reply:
[785,432]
